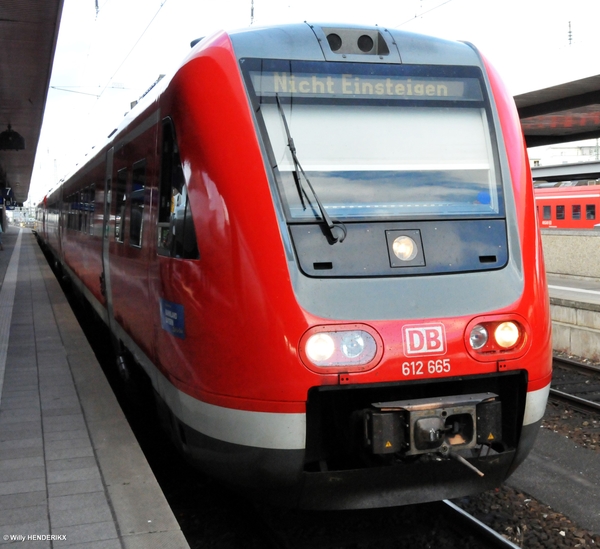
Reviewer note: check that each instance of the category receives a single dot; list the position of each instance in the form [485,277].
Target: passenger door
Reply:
[105,276]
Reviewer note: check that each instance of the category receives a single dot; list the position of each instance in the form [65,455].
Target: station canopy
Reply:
[563,113]
[28,34]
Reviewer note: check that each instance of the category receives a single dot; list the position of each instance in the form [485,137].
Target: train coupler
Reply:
[440,425]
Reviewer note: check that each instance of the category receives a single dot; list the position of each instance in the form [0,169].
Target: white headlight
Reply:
[320,347]
[478,337]
[507,334]
[353,344]
[340,348]
[405,248]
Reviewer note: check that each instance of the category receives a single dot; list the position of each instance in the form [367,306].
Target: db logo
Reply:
[426,339]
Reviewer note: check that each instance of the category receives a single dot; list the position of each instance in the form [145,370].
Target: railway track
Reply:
[439,524]
[489,537]
[577,384]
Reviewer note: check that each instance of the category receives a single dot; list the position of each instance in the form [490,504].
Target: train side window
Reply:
[78,211]
[120,200]
[576,211]
[547,212]
[136,204]
[176,231]
[86,206]
[85,198]
[560,212]
[71,223]
[66,213]
[74,211]
[70,212]
[79,204]
[590,211]
[91,208]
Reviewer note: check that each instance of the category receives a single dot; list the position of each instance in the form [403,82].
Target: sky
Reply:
[107,58]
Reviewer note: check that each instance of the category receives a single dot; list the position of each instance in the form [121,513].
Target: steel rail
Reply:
[491,538]
[577,365]
[579,403]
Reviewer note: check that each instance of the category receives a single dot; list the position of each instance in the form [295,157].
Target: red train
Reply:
[568,207]
[319,243]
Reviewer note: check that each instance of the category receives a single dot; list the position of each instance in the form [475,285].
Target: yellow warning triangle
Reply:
[491,437]
[388,444]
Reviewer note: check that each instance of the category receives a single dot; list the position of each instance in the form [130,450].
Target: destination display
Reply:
[270,83]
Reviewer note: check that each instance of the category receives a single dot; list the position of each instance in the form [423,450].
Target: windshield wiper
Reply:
[336,230]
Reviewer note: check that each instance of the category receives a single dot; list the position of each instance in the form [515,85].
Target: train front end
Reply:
[402,351]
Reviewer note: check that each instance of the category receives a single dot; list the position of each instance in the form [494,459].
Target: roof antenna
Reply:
[570,34]
[251,12]
[97,9]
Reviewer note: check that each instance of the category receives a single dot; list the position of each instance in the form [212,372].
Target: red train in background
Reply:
[319,244]
[568,206]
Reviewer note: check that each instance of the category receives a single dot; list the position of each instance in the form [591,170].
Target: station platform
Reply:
[71,471]
[574,289]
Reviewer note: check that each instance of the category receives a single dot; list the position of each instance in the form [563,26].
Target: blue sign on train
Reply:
[172,318]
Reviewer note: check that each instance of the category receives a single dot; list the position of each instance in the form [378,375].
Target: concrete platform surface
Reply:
[71,471]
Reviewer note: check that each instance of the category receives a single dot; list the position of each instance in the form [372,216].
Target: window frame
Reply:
[169,242]
[590,212]
[546,212]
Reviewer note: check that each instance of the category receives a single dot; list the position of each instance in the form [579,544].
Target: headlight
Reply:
[353,344]
[507,335]
[493,337]
[405,248]
[339,348]
[320,347]
[478,337]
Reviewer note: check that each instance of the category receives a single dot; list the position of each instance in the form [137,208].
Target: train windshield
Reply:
[377,141]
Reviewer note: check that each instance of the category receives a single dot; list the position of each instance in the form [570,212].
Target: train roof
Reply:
[349,43]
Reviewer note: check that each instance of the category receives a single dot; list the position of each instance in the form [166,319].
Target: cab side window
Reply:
[176,232]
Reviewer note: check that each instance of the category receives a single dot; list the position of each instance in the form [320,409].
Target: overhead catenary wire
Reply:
[98,91]
[417,15]
[132,49]
[60,88]
[70,90]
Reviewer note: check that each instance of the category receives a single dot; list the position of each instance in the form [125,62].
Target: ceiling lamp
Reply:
[10,140]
